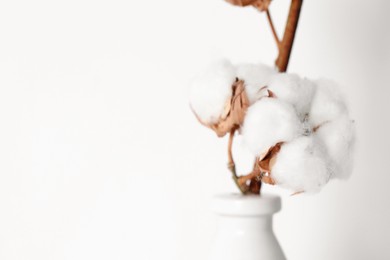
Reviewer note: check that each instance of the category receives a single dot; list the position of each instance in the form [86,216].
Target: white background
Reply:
[101,158]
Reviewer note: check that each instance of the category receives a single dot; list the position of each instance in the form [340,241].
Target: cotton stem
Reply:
[289,35]
[245,178]
[231,164]
[274,33]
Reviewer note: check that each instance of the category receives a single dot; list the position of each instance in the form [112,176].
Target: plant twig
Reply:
[286,43]
[289,35]
[275,34]
[231,164]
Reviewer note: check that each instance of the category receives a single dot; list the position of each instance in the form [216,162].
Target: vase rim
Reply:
[234,204]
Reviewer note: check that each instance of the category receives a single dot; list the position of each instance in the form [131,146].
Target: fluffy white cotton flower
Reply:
[255,77]
[338,136]
[301,165]
[328,103]
[210,91]
[268,122]
[294,90]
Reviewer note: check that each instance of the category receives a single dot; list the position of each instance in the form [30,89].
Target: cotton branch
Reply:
[289,35]
[284,45]
[284,51]
[231,165]
[275,34]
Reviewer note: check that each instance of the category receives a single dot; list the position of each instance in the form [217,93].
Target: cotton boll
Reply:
[268,122]
[255,77]
[210,91]
[328,103]
[338,137]
[301,165]
[294,90]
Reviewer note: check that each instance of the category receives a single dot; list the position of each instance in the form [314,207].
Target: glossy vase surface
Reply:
[244,228]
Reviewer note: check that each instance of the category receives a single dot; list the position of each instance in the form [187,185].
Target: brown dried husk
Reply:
[234,112]
[266,161]
[261,5]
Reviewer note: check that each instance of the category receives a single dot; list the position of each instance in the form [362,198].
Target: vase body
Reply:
[244,228]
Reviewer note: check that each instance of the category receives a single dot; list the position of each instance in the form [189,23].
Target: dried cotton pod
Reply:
[234,112]
[261,5]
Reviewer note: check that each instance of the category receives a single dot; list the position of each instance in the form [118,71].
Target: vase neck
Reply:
[245,223]
[246,206]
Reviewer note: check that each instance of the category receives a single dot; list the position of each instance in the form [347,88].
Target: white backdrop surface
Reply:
[101,157]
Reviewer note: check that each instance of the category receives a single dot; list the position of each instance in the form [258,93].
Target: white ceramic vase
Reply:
[244,230]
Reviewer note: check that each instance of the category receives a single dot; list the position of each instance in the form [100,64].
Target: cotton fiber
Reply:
[255,76]
[211,90]
[338,136]
[328,103]
[294,90]
[268,122]
[302,166]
